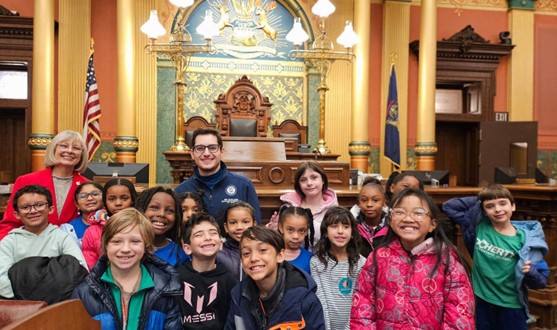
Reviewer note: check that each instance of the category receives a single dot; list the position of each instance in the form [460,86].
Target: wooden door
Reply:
[15,154]
[457,144]
[498,139]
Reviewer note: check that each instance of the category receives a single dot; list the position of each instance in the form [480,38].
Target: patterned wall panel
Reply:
[284,92]
[252,42]
[547,161]
[105,153]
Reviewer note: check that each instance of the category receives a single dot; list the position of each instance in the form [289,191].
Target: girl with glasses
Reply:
[416,278]
[88,199]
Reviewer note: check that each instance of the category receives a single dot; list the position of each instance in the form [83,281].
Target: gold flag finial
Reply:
[92,45]
[393,58]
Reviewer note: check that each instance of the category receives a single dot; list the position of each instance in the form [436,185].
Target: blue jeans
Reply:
[493,317]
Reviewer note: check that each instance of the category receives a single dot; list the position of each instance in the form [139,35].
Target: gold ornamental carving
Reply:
[359,148]
[426,149]
[40,141]
[546,5]
[126,144]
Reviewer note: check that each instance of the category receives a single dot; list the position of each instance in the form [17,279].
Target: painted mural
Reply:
[249,29]
[251,42]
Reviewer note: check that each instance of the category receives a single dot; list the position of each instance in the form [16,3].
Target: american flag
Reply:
[91,112]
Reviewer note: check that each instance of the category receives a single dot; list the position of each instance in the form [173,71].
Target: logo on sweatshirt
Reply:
[345,285]
[199,304]
[231,190]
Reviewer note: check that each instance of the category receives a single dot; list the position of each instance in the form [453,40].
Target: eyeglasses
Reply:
[94,194]
[41,206]
[66,147]
[201,148]
[417,214]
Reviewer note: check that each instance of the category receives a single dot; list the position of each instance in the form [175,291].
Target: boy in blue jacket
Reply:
[508,256]
[275,295]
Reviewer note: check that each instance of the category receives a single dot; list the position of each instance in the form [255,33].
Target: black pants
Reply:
[493,317]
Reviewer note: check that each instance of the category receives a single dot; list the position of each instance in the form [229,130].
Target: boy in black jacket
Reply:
[207,284]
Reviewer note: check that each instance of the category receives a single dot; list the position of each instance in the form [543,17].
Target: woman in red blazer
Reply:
[66,156]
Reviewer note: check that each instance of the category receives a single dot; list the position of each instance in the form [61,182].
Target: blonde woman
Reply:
[66,157]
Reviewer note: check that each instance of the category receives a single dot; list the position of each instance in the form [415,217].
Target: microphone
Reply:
[316,151]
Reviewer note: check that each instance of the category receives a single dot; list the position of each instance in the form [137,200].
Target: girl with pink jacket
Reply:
[415,279]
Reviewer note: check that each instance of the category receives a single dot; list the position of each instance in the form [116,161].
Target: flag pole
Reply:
[392,137]
[92,108]
[393,57]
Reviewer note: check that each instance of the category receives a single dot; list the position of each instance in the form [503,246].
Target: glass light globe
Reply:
[297,35]
[153,28]
[348,38]
[208,28]
[182,3]
[323,8]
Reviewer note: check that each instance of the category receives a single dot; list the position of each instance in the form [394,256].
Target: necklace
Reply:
[125,297]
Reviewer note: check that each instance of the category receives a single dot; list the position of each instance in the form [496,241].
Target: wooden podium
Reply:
[265,161]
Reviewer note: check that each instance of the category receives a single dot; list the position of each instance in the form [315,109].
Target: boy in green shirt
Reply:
[508,256]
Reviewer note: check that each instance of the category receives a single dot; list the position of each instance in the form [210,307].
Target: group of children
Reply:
[384,267]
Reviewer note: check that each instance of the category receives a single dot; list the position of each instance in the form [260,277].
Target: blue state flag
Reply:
[392,138]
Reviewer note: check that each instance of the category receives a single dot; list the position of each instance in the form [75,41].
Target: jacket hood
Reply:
[20,231]
[296,278]
[425,247]
[220,270]
[294,199]
[535,238]
[231,244]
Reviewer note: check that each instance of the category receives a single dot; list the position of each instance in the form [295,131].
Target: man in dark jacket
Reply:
[212,180]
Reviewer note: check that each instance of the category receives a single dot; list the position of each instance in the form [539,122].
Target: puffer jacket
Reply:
[297,307]
[467,212]
[91,242]
[160,308]
[329,200]
[395,291]
[229,256]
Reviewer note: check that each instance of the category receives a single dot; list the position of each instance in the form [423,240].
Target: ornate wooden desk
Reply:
[266,161]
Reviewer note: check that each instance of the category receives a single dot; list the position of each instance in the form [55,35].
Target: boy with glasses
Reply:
[36,238]
[212,180]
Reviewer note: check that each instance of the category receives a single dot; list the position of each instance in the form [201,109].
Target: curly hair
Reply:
[196,198]
[145,198]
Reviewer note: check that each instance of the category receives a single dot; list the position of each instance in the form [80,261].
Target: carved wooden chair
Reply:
[243,111]
[194,123]
[291,129]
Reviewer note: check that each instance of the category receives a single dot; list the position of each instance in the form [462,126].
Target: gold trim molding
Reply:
[126,144]
[39,142]
[425,149]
